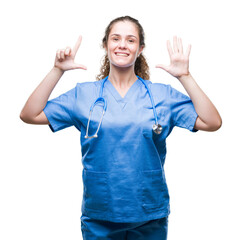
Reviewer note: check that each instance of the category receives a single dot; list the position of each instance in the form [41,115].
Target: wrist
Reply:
[58,70]
[184,77]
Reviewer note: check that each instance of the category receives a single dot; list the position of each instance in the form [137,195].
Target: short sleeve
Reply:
[59,111]
[182,110]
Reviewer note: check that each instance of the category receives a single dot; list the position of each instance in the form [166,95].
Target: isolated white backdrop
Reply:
[40,172]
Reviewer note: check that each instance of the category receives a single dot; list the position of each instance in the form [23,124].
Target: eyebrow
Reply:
[115,34]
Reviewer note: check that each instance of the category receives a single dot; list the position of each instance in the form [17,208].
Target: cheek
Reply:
[111,46]
[135,51]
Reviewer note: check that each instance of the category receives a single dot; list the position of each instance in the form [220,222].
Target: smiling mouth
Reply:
[122,54]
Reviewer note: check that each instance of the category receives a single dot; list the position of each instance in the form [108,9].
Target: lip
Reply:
[121,54]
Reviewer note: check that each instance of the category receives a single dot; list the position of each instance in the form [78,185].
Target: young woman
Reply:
[124,121]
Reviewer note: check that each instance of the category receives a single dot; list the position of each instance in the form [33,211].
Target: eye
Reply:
[115,39]
[131,40]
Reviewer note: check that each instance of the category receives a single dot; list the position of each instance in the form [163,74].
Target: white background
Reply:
[40,172]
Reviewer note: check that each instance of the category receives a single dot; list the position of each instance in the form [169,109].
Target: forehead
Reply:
[124,28]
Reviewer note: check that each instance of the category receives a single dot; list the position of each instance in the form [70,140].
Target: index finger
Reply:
[169,48]
[77,45]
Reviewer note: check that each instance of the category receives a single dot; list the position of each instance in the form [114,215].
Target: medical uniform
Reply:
[123,168]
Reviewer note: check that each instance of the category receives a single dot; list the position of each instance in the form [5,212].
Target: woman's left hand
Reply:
[179,61]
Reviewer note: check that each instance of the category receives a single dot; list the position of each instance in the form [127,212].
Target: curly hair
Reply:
[141,67]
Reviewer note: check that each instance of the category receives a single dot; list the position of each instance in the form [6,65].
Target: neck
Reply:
[122,77]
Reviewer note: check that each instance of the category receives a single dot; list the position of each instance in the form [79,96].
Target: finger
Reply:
[79,66]
[188,50]
[175,47]
[164,67]
[62,54]
[68,51]
[169,48]
[58,54]
[77,45]
[180,47]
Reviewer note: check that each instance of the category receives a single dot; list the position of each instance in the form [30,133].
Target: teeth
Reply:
[121,54]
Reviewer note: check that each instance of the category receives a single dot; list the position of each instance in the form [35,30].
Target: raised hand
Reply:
[64,59]
[179,61]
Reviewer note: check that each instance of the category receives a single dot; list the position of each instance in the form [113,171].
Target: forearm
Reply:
[38,99]
[205,109]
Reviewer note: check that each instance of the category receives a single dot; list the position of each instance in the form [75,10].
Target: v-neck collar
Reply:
[116,94]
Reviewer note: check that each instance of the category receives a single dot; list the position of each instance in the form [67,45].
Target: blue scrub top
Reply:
[123,169]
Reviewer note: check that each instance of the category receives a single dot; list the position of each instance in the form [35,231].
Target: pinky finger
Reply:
[58,54]
[188,50]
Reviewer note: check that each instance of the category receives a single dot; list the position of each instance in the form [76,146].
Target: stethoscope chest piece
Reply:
[157,128]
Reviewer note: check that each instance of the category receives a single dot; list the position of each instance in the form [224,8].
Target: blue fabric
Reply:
[123,169]
[93,229]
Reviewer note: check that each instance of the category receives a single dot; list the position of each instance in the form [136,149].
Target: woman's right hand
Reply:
[64,59]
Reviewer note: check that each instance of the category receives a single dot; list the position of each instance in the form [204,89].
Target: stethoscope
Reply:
[156,126]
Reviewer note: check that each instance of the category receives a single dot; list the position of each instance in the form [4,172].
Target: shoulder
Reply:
[87,89]
[158,88]
[158,85]
[167,89]
[88,85]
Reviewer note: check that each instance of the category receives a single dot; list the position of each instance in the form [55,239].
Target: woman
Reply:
[123,136]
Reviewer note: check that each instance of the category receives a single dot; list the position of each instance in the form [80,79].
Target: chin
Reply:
[122,64]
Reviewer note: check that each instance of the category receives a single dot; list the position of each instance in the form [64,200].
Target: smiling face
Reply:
[123,44]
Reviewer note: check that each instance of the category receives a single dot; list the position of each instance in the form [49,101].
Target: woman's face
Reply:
[123,44]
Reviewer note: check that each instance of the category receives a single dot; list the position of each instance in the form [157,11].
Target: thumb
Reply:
[164,67]
[79,66]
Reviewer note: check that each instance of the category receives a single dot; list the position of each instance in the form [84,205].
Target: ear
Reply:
[105,47]
[140,49]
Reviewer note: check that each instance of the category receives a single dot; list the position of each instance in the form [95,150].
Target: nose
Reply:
[122,44]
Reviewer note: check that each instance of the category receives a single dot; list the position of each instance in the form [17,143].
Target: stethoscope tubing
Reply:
[151,99]
[102,99]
